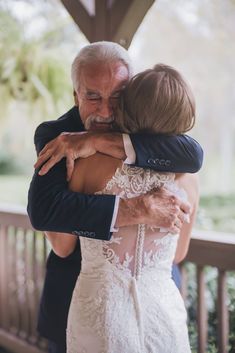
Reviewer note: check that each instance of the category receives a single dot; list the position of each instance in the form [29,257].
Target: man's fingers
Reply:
[40,161]
[42,158]
[184,217]
[64,145]
[174,229]
[70,167]
[176,226]
[47,152]
[44,150]
[49,146]
[49,164]
[185,207]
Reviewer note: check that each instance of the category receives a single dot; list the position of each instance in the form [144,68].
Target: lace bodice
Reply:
[132,249]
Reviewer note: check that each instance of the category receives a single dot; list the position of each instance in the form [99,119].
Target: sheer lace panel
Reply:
[134,247]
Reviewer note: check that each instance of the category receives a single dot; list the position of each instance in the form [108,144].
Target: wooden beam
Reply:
[117,13]
[80,16]
[100,24]
[125,19]
[115,20]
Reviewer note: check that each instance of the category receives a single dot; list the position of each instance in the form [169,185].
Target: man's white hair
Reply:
[101,52]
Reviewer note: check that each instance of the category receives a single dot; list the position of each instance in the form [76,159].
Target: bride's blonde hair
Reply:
[157,100]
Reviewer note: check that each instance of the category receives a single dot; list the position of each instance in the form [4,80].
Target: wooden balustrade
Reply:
[23,253]
[216,250]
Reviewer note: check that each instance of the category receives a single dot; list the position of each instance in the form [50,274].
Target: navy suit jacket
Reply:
[53,207]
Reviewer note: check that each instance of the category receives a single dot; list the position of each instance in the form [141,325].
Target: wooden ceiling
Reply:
[111,20]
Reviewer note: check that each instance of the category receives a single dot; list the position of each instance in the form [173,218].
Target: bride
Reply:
[124,300]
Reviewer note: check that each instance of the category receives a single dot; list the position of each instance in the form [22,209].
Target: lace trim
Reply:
[134,181]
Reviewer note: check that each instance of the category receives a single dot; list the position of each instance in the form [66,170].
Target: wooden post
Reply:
[201,311]
[4,313]
[223,324]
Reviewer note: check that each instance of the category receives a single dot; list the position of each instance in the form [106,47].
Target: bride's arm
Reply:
[90,175]
[189,182]
[63,244]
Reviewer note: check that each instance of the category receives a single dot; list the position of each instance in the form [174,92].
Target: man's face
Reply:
[100,87]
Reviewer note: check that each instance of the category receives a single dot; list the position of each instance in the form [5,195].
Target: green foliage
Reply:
[217,212]
[8,162]
[30,68]
[35,85]
[7,165]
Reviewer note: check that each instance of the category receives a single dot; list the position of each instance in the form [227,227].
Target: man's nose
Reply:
[105,109]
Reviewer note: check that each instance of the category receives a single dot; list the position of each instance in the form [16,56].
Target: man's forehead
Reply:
[105,71]
[96,77]
[98,88]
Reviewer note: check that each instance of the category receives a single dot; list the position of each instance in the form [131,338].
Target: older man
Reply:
[99,74]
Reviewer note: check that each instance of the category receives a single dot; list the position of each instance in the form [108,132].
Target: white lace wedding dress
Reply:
[124,300]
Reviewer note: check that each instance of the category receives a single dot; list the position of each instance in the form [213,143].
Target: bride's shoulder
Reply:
[187,180]
[190,183]
[96,161]
[92,173]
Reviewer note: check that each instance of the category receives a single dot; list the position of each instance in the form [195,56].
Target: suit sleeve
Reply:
[53,207]
[177,154]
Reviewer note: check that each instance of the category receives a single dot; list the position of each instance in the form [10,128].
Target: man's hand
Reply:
[74,145]
[69,145]
[159,208]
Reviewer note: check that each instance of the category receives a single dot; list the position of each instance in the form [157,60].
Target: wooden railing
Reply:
[215,250]
[23,253]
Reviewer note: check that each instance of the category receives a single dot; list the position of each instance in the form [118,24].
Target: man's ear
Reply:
[75,98]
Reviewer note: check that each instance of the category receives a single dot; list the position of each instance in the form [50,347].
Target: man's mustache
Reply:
[98,119]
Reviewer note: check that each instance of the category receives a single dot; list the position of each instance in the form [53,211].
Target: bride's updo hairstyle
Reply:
[157,100]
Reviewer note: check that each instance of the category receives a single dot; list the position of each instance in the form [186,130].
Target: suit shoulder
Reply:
[70,121]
